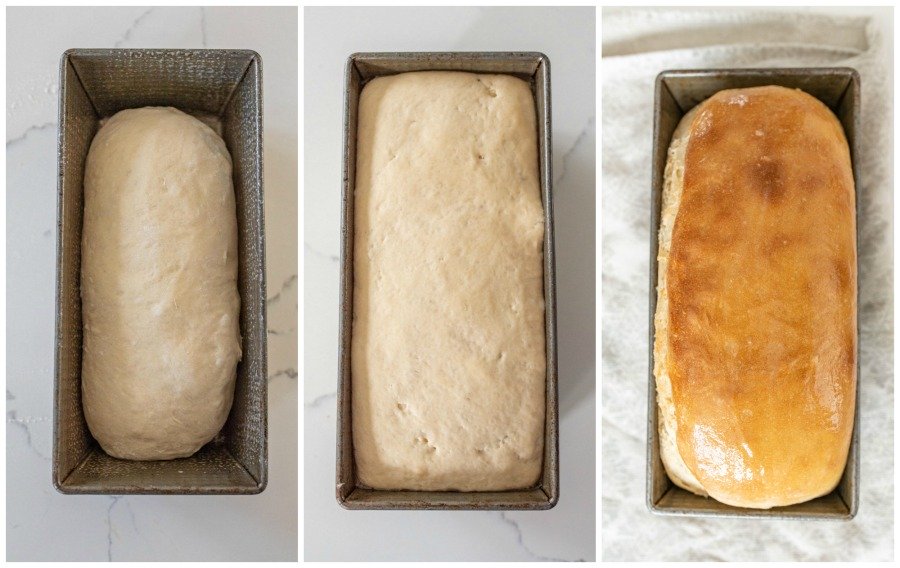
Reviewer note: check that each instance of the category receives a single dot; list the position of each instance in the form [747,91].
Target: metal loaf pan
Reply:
[224,86]
[676,93]
[534,68]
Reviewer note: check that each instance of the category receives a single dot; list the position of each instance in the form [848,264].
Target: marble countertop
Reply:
[640,44]
[41,523]
[566,532]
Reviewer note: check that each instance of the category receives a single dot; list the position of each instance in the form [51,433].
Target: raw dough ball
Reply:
[158,285]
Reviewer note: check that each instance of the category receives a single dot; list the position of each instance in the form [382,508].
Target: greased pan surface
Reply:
[227,85]
[535,68]
[676,93]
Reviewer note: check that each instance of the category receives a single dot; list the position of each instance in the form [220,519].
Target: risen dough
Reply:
[448,335]
[158,285]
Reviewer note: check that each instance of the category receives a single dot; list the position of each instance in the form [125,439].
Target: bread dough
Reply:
[160,303]
[448,354]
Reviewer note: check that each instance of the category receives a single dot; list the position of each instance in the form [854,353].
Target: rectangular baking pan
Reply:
[223,85]
[676,93]
[534,68]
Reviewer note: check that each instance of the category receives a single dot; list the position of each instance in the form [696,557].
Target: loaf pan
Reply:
[361,67]
[224,86]
[676,93]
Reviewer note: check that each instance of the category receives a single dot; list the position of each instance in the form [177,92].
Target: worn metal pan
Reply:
[532,67]
[676,93]
[222,86]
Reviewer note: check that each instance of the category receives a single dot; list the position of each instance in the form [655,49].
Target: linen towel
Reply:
[637,45]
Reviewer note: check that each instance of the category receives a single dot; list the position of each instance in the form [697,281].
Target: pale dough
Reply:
[158,285]
[448,354]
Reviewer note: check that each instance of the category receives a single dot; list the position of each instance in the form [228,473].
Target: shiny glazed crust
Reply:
[447,356]
[756,320]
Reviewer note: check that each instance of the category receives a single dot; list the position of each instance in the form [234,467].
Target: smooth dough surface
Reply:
[448,358]
[755,352]
[159,285]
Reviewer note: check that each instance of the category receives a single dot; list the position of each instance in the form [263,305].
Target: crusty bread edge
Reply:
[673,185]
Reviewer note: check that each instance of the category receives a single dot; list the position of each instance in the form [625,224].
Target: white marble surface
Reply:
[41,523]
[567,37]
[640,43]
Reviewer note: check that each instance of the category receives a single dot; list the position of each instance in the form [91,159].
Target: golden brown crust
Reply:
[762,299]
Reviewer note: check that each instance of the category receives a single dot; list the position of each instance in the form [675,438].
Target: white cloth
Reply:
[637,45]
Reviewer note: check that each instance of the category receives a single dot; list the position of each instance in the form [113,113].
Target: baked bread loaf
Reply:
[755,349]
[448,365]
[160,304]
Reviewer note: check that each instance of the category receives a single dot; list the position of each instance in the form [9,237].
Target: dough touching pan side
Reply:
[448,354]
[755,349]
[673,184]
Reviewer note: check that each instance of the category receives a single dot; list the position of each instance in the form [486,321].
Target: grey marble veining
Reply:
[567,532]
[126,36]
[30,129]
[92,528]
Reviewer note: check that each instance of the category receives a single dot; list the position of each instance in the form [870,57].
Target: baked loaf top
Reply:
[756,320]
[159,292]
[448,368]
